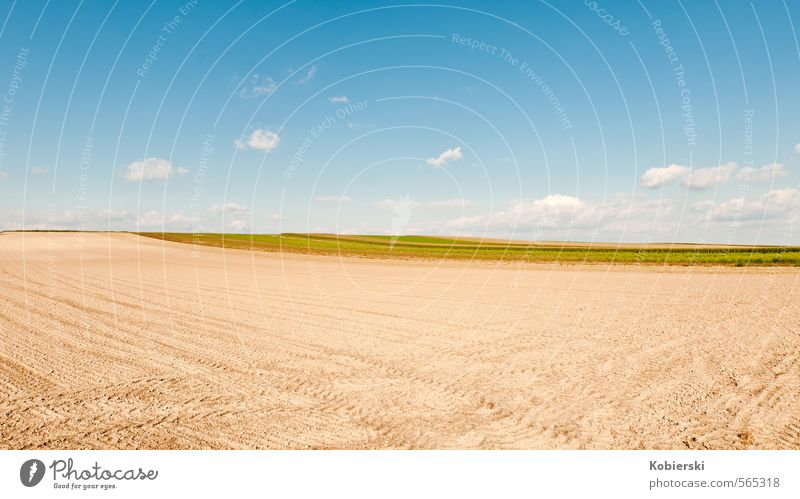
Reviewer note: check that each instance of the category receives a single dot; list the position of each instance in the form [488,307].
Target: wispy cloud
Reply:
[310,74]
[238,224]
[781,204]
[228,208]
[563,212]
[99,219]
[692,178]
[3,174]
[39,171]
[235,214]
[262,140]
[150,218]
[446,157]
[706,178]
[657,176]
[154,218]
[257,86]
[149,169]
[111,215]
[342,99]
[767,173]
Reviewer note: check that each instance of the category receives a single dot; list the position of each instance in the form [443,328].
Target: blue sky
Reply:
[614,121]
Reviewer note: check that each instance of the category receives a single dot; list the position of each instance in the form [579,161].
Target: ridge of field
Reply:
[446,248]
[463,240]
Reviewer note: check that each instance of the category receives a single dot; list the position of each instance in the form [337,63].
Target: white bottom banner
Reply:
[372,474]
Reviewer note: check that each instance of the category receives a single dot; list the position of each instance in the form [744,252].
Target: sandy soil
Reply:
[118,341]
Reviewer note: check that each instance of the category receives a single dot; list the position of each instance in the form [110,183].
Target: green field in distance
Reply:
[438,248]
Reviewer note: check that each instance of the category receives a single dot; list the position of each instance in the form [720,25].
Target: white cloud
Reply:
[333,199]
[182,171]
[179,219]
[154,218]
[564,213]
[656,177]
[789,197]
[692,178]
[233,209]
[767,173]
[110,215]
[736,211]
[150,219]
[3,174]
[393,204]
[238,224]
[96,219]
[797,148]
[446,157]
[257,86]
[262,140]
[149,169]
[554,210]
[342,99]
[310,74]
[39,171]
[705,178]
[235,213]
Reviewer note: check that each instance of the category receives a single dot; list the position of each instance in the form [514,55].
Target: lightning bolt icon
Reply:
[32,472]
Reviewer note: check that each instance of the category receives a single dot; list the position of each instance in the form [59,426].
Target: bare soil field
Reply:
[116,341]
